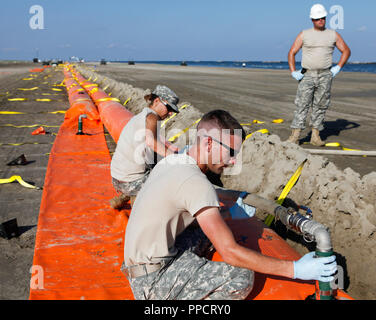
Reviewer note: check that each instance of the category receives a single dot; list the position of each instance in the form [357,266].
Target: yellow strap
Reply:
[269,219]
[27,78]
[17,99]
[126,101]
[93,90]
[11,112]
[90,85]
[27,126]
[18,179]
[107,99]
[172,139]
[264,131]
[28,89]
[56,89]
[278,120]
[22,143]
[43,99]
[58,111]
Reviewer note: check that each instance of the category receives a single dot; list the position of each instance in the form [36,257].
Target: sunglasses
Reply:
[169,108]
[319,19]
[233,152]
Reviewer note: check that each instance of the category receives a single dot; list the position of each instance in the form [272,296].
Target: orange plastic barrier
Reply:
[79,241]
[113,115]
[79,100]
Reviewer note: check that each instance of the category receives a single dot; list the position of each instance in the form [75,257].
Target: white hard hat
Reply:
[318,11]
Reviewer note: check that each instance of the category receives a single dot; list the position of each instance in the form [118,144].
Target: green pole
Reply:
[324,286]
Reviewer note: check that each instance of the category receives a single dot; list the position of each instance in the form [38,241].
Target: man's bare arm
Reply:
[152,139]
[234,254]
[296,46]
[345,50]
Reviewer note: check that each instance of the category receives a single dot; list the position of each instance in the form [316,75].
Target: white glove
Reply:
[311,268]
[241,210]
[335,70]
[297,75]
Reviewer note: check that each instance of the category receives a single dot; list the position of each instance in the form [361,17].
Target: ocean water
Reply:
[349,67]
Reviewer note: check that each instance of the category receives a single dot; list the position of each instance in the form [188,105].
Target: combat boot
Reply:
[315,138]
[294,138]
[119,202]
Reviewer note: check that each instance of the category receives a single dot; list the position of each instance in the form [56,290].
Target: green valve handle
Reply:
[324,290]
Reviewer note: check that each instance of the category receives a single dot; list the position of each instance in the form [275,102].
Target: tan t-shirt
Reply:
[318,47]
[174,192]
[131,153]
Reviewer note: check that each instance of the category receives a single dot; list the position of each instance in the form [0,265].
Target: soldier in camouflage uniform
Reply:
[176,222]
[315,78]
[138,143]
[313,90]
[191,275]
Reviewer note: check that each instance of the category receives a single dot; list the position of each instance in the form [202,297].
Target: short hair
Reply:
[222,120]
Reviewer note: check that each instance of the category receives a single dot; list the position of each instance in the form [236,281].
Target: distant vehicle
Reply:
[244,65]
[131,63]
[35,60]
[46,62]
[103,62]
[183,63]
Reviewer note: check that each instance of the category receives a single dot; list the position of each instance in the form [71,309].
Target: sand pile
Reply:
[341,200]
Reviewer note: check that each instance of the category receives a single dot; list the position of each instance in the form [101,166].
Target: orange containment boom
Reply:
[79,100]
[80,238]
[79,241]
[113,115]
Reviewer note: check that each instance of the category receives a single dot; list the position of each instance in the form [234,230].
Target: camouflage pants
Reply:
[313,90]
[191,276]
[130,188]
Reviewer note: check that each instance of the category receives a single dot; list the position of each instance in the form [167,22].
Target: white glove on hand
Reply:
[297,75]
[311,268]
[335,70]
[241,210]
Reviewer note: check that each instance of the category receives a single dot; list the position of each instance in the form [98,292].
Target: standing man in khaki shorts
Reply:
[315,78]
[176,220]
[139,140]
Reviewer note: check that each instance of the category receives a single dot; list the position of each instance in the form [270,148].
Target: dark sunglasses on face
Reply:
[233,152]
[169,108]
[319,19]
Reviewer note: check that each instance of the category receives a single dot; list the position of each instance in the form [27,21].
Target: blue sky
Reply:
[175,29]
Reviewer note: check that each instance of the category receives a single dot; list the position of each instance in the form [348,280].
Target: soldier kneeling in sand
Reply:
[138,142]
[166,251]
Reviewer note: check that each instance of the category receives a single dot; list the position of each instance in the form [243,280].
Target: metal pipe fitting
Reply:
[80,132]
